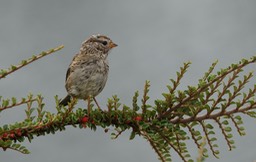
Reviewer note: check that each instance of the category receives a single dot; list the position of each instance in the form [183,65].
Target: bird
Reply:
[87,73]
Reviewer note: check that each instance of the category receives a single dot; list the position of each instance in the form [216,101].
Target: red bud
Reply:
[85,119]
[138,118]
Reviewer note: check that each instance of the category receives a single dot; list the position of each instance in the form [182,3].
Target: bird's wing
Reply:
[67,74]
[70,66]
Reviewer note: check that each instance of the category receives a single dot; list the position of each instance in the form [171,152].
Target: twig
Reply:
[30,60]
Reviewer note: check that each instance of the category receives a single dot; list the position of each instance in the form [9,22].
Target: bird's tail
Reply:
[65,101]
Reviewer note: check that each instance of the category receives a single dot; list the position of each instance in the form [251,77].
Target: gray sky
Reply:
[154,38]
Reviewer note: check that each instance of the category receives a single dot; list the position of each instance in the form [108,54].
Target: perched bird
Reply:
[88,72]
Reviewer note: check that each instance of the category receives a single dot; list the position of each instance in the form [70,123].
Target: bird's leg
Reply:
[97,103]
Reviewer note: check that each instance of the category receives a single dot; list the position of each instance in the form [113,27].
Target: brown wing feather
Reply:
[67,74]
[69,68]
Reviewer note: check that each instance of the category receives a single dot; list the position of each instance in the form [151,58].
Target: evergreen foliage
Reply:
[215,103]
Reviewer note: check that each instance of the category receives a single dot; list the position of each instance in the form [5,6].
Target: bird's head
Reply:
[100,43]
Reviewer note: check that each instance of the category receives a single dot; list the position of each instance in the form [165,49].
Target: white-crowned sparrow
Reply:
[88,72]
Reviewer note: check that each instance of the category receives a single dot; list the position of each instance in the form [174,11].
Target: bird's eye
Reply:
[104,43]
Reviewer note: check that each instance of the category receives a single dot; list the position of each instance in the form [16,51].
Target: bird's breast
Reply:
[87,78]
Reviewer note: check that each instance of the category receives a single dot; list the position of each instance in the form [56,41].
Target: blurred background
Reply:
[154,39]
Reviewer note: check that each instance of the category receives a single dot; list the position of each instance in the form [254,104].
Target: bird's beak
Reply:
[112,45]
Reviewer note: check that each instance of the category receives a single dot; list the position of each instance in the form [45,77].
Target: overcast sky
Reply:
[154,39]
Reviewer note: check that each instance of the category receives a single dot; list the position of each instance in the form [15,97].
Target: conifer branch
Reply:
[154,146]
[7,105]
[13,68]
[224,133]
[203,86]
[218,98]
